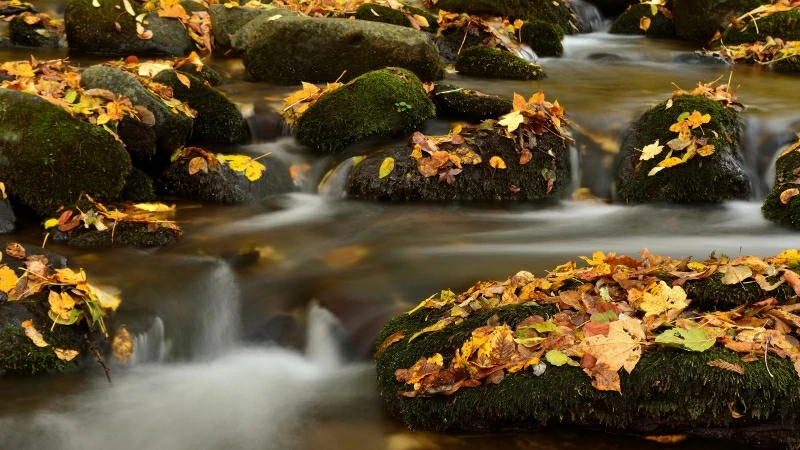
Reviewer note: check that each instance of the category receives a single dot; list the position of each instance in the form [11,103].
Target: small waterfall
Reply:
[150,346]
[589,15]
[322,345]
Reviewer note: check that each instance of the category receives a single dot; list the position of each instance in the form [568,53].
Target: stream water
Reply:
[331,271]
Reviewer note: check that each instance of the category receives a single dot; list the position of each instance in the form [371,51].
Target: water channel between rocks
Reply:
[201,379]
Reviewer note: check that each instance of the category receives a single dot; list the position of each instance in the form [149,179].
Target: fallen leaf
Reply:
[198,164]
[394,338]
[512,120]
[662,298]
[651,151]
[252,169]
[722,364]
[122,345]
[8,279]
[128,7]
[556,358]
[668,439]
[497,162]
[387,166]
[695,340]
[65,355]
[735,274]
[33,334]
[154,207]
[734,414]
[107,296]
[61,305]
[184,79]
[15,250]
[788,194]
[644,23]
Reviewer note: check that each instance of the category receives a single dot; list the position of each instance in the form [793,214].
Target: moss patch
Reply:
[382,14]
[32,35]
[138,187]
[123,235]
[205,73]
[543,37]
[784,25]
[472,106]
[628,23]
[493,63]
[773,209]
[699,20]
[557,13]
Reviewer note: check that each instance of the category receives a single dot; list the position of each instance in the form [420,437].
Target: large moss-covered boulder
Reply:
[226,22]
[541,178]
[782,205]
[217,119]
[203,72]
[543,37]
[39,34]
[713,178]
[138,187]
[92,29]
[556,12]
[172,128]
[783,25]
[379,13]
[700,20]
[493,63]
[464,104]
[382,103]
[453,41]
[48,158]
[629,22]
[293,49]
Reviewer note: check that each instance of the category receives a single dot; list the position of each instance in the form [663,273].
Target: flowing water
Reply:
[271,350]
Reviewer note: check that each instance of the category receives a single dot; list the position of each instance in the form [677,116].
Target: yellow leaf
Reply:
[518,23]
[128,7]
[50,223]
[670,162]
[8,279]
[417,152]
[198,164]
[792,256]
[621,348]
[696,119]
[644,23]
[65,355]
[706,150]
[122,345]
[61,305]
[438,326]
[654,171]
[107,296]
[252,169]
[33,334]
[103,119]
[735,274]
[95,3]
[154,207]
[422,20]
[497,162]
[662,298]
[788,194]
[651,151]
[387,166]
[696,266]
[512,120]
[307,91]
[184,79]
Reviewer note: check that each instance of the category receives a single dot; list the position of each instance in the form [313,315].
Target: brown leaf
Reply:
[793,279]
[734,414]
[722,364]
[145,115]
[668,439]
[15,250]
[122,345]
[603,378]
[786,196]
[395,337]
[198,164]
[184,79]
[525,157]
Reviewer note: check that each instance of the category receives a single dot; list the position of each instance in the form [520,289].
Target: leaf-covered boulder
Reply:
[385,14]
[700,20]
[493,63]
[172,128]
[782,204]
[217,119]
[293,49]
[557,12]
[382,103]
[684,153]
[48,158]
[226,22]
[203,72]
[464,104]
[93,30]
[40,33]
[644,19]
[780,25]
[544,38]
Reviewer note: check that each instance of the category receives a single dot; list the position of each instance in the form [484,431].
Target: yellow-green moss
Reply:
[699,20]
[628,23]
[784,25]
[544,38]
[493,63]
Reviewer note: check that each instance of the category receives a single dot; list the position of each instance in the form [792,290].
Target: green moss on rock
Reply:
[34,35]
[139,139]
[455,40]
[383,14]
[544,38]
[464,104]
[699,20]
[382,103]
[787,65]
[217,119]
[294,49]
[226,22]
[138,187]
[205,73]
[784,25]
[787,176]
[493,63]
[91,29]
[122,235]
[628,23]
[555,12]
[714,178]
[49,158]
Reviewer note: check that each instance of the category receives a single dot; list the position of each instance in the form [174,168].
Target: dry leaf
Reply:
[735,368]
[34,334]
[395,337]
[122,345]
[184,79]
[15,250]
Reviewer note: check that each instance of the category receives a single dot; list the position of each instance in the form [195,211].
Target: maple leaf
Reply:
[387,166]
[662,298]
[651,151]
[621,348]
[449,175]
[604,378]
[512,120]
[251,168]
[65,354]
[735,274]
[697,120]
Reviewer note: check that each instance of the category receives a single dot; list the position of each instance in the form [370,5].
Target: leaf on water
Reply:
[497,162]
[15,250]
[394,338]
[8,279]
[34,334]
[122,345]
[65,354]
[651,151]
[788,194]
[184,79]
[387,166]
[644,23]
[722,364]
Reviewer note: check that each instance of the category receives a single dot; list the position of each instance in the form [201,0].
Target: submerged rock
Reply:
[48,158]
[382,103]
[226,22]
[699,20]
[554,12]
[629,22]
[464,104]
[217,120]
[543,37]
[781,25]
[293,49]
[782,205]
[787,65]
[92,29]
[493,63]
[714,178]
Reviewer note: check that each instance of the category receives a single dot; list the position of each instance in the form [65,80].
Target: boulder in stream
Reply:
[787,65]
[8,219]
[782,204]
[294,49]
[472,106]
[138,187]
[638,17]
[379,13]
[42,32]
[544,38]
[493,63]
[700,20]
[780,25]
[558,13]
[226,22]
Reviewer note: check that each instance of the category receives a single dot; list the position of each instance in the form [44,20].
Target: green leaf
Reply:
[387,166]
[74,316]
[544,327]
[556,358]
[684,116]
[653,10]
[71,96]
[695,340]
[606,317]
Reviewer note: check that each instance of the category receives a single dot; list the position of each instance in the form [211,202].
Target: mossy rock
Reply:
[669,392]
[384,14]
[628,23]
[10,10]
[544,38]
[172,129]
[91,29]
[699,20]
[139,139]
[787,65]
[122,235]
[382,103]
[224,185]
[294,49]
[612,8]
[478,182]
[217,119]
[715,178]
[455,40]
[784,25]
[472,106]
[555,12]
[8,219]
[493,63]
[226,22]
[48,158]
[787,176]
[205,73]
[34,35]
[138,187]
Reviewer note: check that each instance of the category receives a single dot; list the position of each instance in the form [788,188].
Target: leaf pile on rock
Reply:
[502,34]
[197,23]
[46,25]
[144,73]
[347,8]
[298,102]
[204,161]
[530,119]
[770,51]
[610,312]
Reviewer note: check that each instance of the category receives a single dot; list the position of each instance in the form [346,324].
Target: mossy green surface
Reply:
[714,178]
[669,391]
[382,14]
[787,176]
[205,73]
[784,25]
[295,49]
[493,63]
[35,35]
[699,20]
[464,104]
[139,139]
[544,38]
[217,119]
[629,23]
[711,295]
[455,40]
[787,65]
[554,12]
[138,187]
[382,103]
[49,158]
[226,23]
[122,235]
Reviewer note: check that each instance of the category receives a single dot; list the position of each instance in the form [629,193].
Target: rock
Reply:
[382,103]
[701,59]
[36,35]
[611,8]
[172,129]
[714,178]
[384,14]
[123,235]
[784,25]
[205,73]
[9,10]
[226,22]
[554,12]
[139,139]
[49,158]
[463,104]
[493,63]
[7,217]
[478,182]
[294,49]
[138,187]
[699,20]
[217,120]
[454,41]
[787,177]
[629,22]
[543,37]
[57,260]
[787,65]
[92,30]
[224,185]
